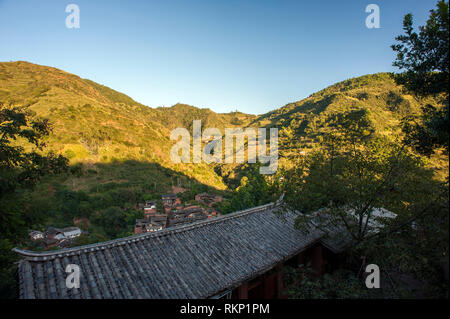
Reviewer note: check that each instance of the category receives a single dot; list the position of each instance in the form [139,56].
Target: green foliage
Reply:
[303,283]
[8,285]
[20,170]
[423,57]
[354,170]
[428,132]
[255,189]
[418,250]
[112,219]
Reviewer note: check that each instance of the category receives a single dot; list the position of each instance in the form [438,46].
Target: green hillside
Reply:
[376,97]
[94,124]
[383,102]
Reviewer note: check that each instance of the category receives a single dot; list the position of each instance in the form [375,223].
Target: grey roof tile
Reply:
[196,260]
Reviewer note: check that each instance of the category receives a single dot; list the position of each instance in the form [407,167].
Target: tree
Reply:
[113,220]
[255,189]
[303,283]
[353,172]
[19,169]
[423,57]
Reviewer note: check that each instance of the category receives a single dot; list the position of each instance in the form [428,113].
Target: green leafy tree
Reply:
[303,283]
[255,189]
[354,171]
[20,169]
[113,220]
[423,57]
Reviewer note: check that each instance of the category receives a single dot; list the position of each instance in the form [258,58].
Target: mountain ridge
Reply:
[96,124]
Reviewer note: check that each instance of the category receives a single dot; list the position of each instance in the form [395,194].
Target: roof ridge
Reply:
[37,255]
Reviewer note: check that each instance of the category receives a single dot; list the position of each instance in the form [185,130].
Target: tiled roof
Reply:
[196,260]
[169,196]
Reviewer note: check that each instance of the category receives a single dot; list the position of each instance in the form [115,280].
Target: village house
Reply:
[51,242]
[170,200]
[61,237]
[36,235]
[71,232]
[53,233]
[149,209]
[186,215]
[238,255]
[208,199]
[153,221]
[146,226]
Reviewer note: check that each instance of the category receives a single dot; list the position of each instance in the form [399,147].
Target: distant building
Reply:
[36,235]
[208,199]
[170,200]
[149,209]
[213,214]
[160,218]
[52,232]
[71,232]
[187,215]
[60,234]
[50,242]
[146,226]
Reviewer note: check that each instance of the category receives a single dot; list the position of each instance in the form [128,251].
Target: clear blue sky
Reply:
[253,56]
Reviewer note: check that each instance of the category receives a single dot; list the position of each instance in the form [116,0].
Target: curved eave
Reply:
[48,255]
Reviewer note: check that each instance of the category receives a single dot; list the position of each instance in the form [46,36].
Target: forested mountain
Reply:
[377,98]
[95,125]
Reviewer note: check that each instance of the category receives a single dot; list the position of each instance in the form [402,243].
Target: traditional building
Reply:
[237,255]
[186,215]
[150,210]
[208,199]
[71,232]
[62,233]
[146,226]
[36,235]
[51,242]
[170,200]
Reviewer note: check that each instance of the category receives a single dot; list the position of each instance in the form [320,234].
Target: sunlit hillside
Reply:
[94,124]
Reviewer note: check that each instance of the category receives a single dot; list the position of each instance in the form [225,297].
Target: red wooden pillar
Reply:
[301,258]
[279,281]
[317,260]
[243,291]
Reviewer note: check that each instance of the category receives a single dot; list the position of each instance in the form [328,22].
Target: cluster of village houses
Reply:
[56,237]
[175,213]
